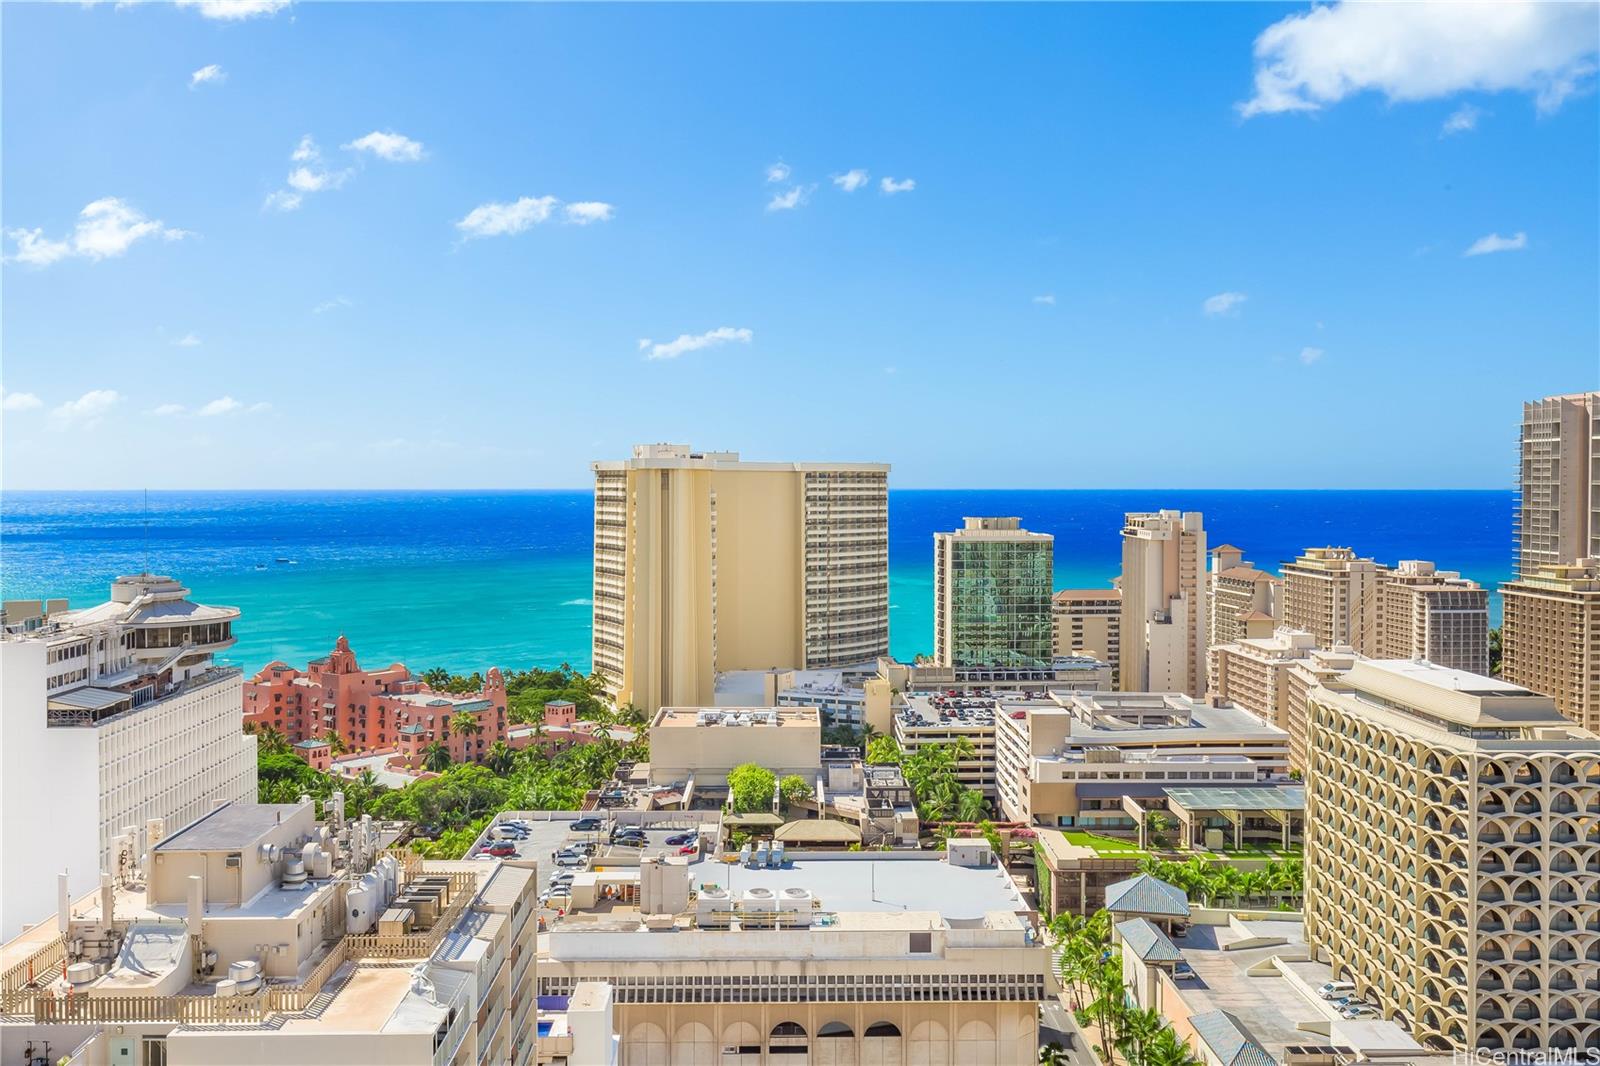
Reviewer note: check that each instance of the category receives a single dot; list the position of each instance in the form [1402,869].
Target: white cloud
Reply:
[586,211]
[1461,120]
[891,186]
[1310,355]
[21,401]
[788,201]
[261,406]
[778,172]
[394,147]
[693,342]
[1223,303]
[851,180]
[167,410]
[188,340]
[1496,243]
[332,305]
[234,10]
[222,405]
[1422,51]
[106,228]
[87,409]
[306,150]
[208,73]
[304,179]
[282,200]
[497,220]
[1048,299]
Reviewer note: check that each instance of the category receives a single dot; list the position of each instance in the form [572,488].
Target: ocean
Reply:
[469,579]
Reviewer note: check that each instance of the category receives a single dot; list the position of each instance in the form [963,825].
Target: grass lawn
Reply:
[1108,847]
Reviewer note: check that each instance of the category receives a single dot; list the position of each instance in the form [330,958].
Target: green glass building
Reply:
[992,586]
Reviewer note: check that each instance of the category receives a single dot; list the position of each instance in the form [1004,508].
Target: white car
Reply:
[1337,989]
[569,858]
[1353,1011]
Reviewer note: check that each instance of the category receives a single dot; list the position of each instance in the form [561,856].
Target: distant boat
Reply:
[261,566]
[294,562]
[283,559]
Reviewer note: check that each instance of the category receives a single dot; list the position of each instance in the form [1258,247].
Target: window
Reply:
[921,943]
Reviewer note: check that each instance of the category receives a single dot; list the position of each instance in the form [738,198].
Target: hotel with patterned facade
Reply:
[1453,824]
[116,715]
[704,563]
[1245,602]
[1165,603]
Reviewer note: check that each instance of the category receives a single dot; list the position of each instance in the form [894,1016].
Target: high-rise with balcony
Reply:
[1165,603]
[1558,482]
[114,716]
[1551,636]
[1334,596]
[704,563]
[1450,855]
[1088,622]
[1244,601]
[991,595]
[1432,614]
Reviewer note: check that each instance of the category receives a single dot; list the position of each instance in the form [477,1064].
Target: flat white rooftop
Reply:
[855,882]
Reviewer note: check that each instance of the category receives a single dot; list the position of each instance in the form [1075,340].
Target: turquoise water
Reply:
[472,579]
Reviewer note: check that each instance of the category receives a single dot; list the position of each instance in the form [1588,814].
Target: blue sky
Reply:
[1125,246]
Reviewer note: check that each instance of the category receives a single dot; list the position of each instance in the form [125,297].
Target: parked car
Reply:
[678,839]
[689,849]
[565,877]
[588,825]
[1336,989]
[1182,970]
[569,858]
[1358,1010]
[500,849]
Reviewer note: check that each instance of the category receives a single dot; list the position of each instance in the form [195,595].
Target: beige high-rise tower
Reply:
[704,563]
[1335,597]
[1558,478]
[1551,639]
[1164,603]
[1245,603]
[1433,614]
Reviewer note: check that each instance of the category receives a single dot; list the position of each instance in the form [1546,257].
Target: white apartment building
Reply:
[256,936]
[834,959]
[1072,759]
[1165,603]
[1088,622]
[1433,614]
[1558,481]
[704,563]
[115,716]
[1244,601]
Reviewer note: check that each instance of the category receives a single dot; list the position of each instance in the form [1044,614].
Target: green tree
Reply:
[882,750]
[335,742]
[1494,653]
[970,807]
[1156,824]
[750,788]
[269,741]
[794,790]
[436,757]
[500,758]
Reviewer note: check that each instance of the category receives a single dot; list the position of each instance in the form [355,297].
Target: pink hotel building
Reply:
[372,710]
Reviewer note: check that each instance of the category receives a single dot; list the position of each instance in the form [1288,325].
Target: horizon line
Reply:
[902,488]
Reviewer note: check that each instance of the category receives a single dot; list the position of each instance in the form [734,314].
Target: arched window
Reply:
[741,1045]
[646,1045]
[930,1045]
[789,1040]
[836,1045]
[881,1045]
[693,1045]
[976,1045]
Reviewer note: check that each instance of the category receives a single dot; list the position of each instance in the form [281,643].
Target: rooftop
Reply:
[1246,798]
[1228,1040]
[737,717]
[1073,595]
[1147,942]
[228,828]
[1148,896]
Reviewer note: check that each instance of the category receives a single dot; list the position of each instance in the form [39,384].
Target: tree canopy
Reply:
[750,788]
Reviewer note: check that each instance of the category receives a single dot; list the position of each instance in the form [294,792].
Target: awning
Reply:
[818,831]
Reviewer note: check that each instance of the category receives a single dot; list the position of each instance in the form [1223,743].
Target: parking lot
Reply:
[548,834]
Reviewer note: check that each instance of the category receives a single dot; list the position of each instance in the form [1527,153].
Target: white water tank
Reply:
[712,907]
[359,907]
[81,973]
[245,975]
[389,869]
[760,901]
[226,988]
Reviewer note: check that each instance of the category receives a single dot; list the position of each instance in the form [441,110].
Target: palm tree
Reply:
[501,758]
[436,757]
[1167,1050]
[335,742]
[466,724]
[270,741]
[1139,1028]
[970,805]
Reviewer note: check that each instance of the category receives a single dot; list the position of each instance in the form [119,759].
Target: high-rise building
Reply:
[1088,622]
[704,563]
[1558,481]
[1551,636]
[1253,672]
[1433,614]
[1244,600]
[1449,855]
[991,595]
[1165,608]
[1334,596]
[114,716]
[1319,667]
